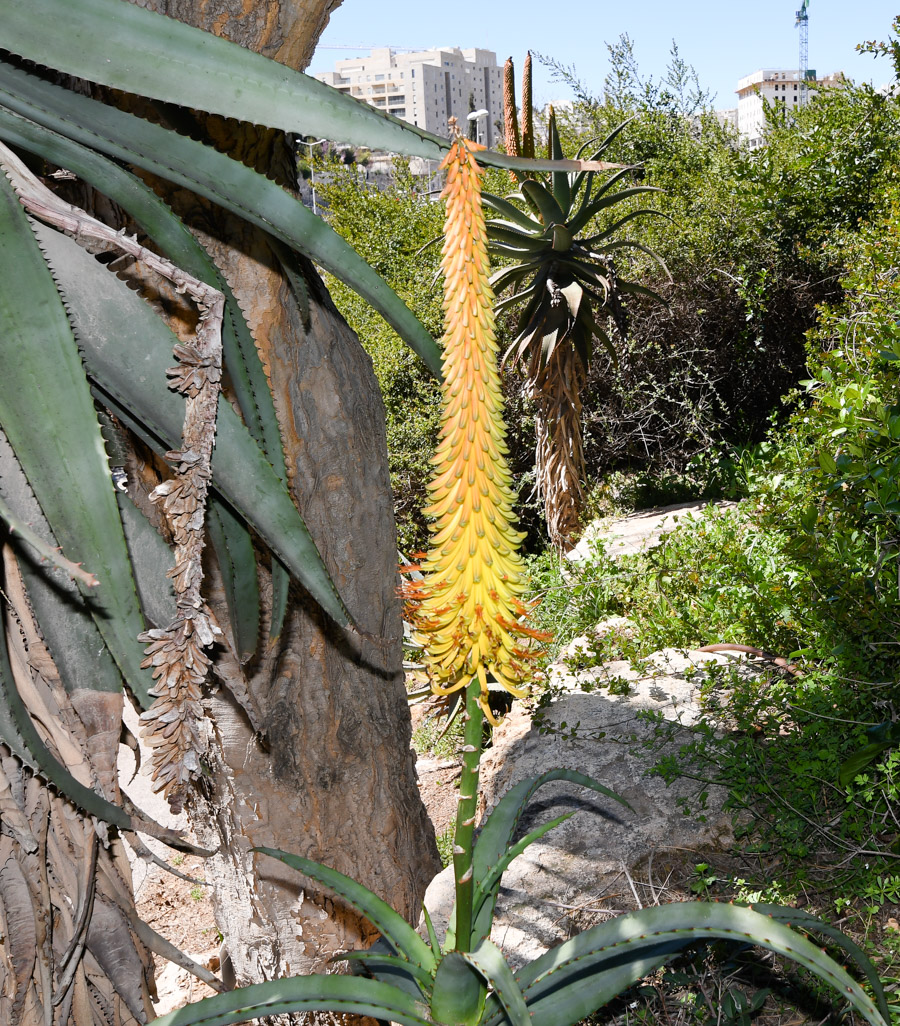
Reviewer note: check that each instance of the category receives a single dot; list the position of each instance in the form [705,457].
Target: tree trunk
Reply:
[331,774]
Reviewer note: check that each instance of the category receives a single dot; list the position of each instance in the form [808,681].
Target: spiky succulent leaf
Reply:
[115,328]
[798,919]
[62,455]
[394,928]
[19,734]
[215,176]
[459,992]
[566,983]
[66,623]
[544,201]
[155,56]
[176,243]
[347,995]
[488,959]
[237,562]
[492,849]
[380,963]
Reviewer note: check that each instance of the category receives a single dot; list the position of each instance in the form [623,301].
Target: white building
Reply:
[427,88]
[776,87]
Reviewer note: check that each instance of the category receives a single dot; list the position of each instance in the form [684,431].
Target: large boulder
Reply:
[601,860]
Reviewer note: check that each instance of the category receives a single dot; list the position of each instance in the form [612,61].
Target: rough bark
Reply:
[332,774]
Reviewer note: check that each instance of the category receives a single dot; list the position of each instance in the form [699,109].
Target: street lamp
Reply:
[478,116]
[312,168]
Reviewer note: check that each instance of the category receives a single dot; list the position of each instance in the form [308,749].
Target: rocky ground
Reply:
[603,861]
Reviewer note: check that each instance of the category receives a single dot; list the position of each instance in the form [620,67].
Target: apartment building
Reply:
[776,87]
[427,88]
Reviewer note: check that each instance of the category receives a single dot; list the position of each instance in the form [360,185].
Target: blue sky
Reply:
[723,41]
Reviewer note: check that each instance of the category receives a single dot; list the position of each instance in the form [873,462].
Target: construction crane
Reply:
[802,23]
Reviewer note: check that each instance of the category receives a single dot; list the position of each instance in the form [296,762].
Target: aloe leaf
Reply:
[498,232]
[510,211]
[459,991]
[178,245]
[62,454]
[350,995]
[489,961]
[18,733]
[803,920]
[71,635]
[432,933]
[393,927]
[562,980]
[551,212]
[495,839]
[391,968]
[217,177]
[508,275]
[156,56]
[599,151]
[151,558]
[603,200]
[611,247]
[514,300]
[237,563]
[600,236]
[483,891]
[562,191]
[640,290]
[152,55]
[514,252]
[127,349]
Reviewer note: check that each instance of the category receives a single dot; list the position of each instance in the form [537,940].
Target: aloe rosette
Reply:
[467,607]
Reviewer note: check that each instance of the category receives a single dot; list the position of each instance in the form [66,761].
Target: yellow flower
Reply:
[466,610]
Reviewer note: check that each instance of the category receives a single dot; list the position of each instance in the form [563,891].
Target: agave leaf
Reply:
[63,456]
[217,177]
[459,991]
[542,198]
[393,927]
[488,959]
[352,995]
[127,349]
[562,980]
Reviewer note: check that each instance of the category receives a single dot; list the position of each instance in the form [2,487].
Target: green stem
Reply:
[465,816]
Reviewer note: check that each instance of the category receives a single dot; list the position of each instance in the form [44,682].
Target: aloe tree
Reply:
[110,477]
[560,236]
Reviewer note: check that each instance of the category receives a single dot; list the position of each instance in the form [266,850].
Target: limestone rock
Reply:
[595,863]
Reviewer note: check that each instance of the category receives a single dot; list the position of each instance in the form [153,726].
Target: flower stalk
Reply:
[467,609]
